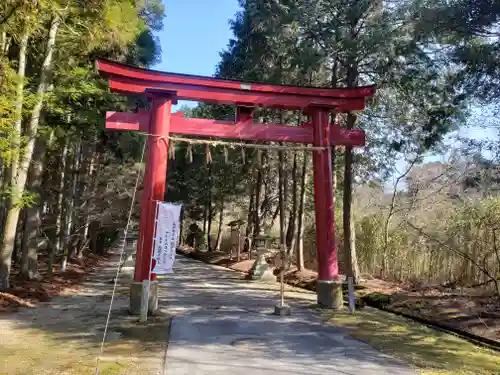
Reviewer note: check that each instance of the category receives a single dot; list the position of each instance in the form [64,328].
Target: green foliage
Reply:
[27,199]
[469,30]
[79,98]
[7,99]
[324,43]
[64,99]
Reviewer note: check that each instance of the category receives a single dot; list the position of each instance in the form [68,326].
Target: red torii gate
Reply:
[164,89]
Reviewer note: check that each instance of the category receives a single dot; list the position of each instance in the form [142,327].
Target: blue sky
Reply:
[194,33]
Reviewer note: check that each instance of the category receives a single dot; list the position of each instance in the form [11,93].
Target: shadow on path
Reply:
[224,324]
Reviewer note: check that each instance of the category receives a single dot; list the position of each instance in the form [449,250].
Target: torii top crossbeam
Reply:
[127,79]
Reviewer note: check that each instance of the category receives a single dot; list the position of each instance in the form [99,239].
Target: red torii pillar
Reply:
[166,88]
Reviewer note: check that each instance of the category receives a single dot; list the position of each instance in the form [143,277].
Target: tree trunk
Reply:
[258,191]
[3,200]
[247,242]
[281,198]
[65,202]
[209,209]
[70,201]
[11,173]
[274,216]
[251,212]
[9,233]
[205,218]
[94,227]
[20,232]
[16,255]
[32,228]
[351,266]
[90,159]
[93,224]
[219,228]
[352,78]
[301,214]
[3,42]
[8,240]
[18,116]
[58,233]
[292,221]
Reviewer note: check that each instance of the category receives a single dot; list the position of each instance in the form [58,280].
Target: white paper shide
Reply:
[167,236]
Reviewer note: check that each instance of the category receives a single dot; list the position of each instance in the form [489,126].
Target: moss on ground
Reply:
[40,352]
[430,351]
[33,352]
[112,369]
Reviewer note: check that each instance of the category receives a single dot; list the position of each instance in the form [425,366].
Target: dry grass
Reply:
[34,352]
[430,351]
[40,352]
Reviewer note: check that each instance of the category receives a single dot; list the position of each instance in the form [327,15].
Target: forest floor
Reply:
[23,293]
[466,309]
[57,327]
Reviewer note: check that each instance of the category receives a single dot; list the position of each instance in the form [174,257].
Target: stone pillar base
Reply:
[282,310]
[136,295]
[329,294]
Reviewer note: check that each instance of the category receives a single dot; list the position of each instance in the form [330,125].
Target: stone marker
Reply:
[282,310]
[236,235]
[261,270]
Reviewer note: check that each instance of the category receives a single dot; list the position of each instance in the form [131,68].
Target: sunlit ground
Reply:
[430,351]
[42,352]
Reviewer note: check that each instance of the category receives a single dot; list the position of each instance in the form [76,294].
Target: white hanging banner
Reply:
[168,228]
